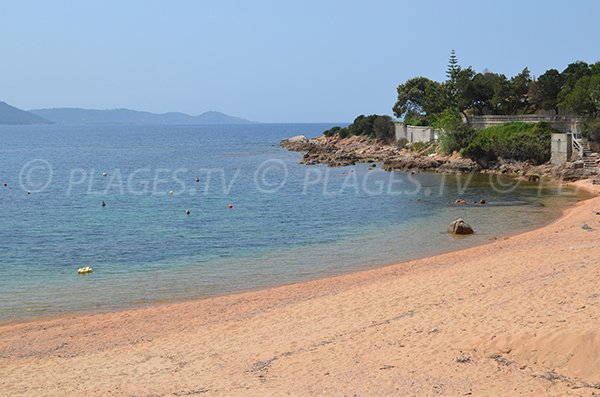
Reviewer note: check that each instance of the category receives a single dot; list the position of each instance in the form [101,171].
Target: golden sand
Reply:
[517,316]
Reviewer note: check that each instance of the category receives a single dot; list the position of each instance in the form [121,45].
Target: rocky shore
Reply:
[335,151]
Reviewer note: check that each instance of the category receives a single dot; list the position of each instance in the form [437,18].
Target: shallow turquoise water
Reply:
[288,223]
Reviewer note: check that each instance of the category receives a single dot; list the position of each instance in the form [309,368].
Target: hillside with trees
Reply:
[447,106]
[575,90]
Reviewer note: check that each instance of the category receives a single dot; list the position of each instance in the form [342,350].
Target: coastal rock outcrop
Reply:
[459,226]
[335,151]
[296,143]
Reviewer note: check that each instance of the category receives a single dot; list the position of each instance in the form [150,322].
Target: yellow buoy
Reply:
[85,270]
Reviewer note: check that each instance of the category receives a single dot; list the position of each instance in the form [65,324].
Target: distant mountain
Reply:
[12,115]
[128,116]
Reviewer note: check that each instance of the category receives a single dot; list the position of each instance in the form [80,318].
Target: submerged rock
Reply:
[459,226]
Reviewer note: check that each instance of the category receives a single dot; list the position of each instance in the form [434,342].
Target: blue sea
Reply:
[257,218]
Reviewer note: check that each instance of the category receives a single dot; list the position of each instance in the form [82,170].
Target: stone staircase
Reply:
[590,161]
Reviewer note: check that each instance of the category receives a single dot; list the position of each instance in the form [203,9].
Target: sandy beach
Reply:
[517,316]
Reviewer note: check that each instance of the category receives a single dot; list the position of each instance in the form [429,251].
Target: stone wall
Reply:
[413,133]
[561,123]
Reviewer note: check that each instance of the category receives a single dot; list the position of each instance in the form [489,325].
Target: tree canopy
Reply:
[574,90]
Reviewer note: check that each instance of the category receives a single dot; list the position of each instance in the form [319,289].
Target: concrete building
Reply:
[561,148]
[413,133]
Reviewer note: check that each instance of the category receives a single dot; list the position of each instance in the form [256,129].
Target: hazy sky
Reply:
[272,61]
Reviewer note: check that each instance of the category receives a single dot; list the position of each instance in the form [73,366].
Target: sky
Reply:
[272,61]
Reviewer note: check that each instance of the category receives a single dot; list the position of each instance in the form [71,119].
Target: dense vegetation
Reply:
[373,126]
[445,105]
[517,141]
[575,90]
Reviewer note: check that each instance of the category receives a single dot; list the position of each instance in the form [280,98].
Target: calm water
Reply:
[288,222]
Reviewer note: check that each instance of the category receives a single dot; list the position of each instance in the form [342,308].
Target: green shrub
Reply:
[373,126]
[592,129]
[516,141]
[384,128]
[453,135]
[332,131]
[418,146]
[344,133]
[401,143]
[457,139]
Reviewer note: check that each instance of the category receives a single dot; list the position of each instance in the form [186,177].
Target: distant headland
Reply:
[12,115]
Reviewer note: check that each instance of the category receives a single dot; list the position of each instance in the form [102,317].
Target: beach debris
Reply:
[171,193]
[104,174]
[29,192]
[463,358]
[459,201]
[501,360]
[188,212]
[459,226]
[85,270]
[197,179]
[482,201]
[102,203]
[230,206]
[587,227]
[5,184]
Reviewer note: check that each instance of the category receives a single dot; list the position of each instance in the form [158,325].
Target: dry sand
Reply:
[518,316]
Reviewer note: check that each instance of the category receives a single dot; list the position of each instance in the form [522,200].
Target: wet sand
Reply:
[517,316]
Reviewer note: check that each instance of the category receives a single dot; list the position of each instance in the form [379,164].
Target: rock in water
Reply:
[296,143]
[298,139]
[459,226]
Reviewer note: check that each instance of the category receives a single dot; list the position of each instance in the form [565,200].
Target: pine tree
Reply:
[452,72]
[453,67]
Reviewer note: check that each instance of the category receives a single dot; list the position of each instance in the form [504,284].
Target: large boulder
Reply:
[298,139]
[577,164]
[297,143]
[459,226]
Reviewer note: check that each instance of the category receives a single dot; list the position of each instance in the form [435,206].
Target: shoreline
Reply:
[556,215]
[367,332]
[334,151]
